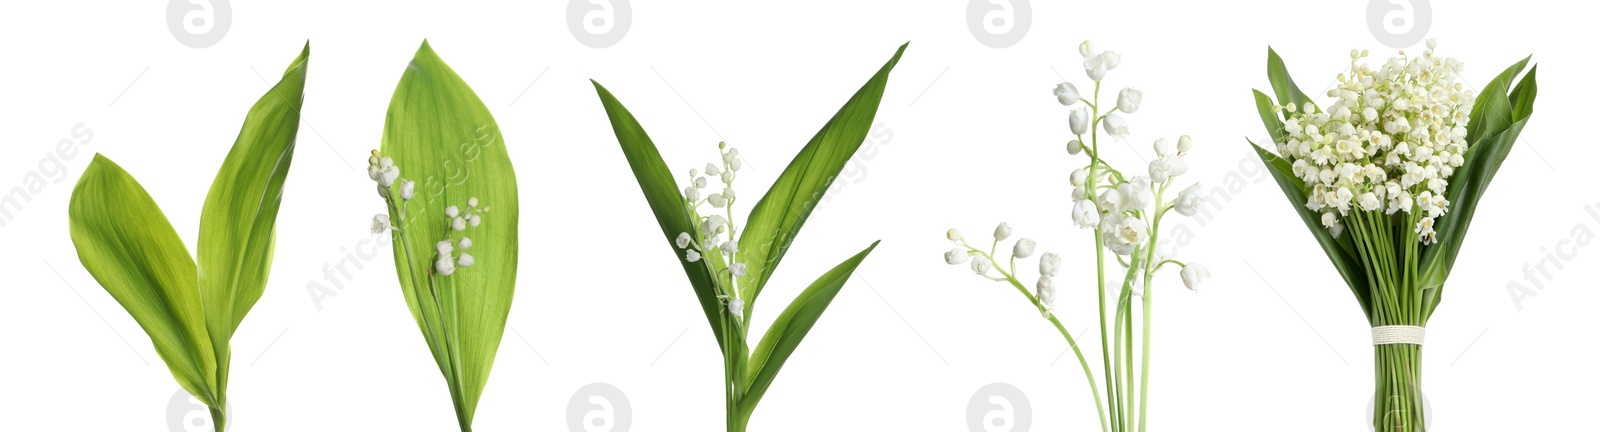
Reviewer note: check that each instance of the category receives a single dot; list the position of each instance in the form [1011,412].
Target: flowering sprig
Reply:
[1124,213]
[1390,142]
[707,243]
[397,192]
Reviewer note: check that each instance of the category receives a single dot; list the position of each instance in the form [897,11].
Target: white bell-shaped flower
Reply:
[465,260]
[1192,274]
[1128,99]
[1079,120]
[956,256]
[1066,93]
[1049,264]
[1023,248]
[1002,231]
[1114,125]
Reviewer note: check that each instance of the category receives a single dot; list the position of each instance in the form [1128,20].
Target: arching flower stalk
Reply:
[1387,177]
[1124,213]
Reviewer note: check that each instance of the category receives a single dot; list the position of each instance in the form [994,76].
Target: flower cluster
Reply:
[982,262]
[452,251]
[397,193]
[712,227]
[1389,142]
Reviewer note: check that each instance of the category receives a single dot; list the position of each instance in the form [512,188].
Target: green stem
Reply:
[1398,401]
[219,416]
[1088,373]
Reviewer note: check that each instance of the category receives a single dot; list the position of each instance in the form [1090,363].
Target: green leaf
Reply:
[1282,84]
[791,326]
[1270,119]
[125,241]
[665,198]
[443,137]
[239,219]
[1340,250]
[1501,121]
[776,219]
[1486,120]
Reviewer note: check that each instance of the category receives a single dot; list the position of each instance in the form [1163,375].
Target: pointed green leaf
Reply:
[443,137]
[1483,159]
[1269,118]
[125,241]
[791,326]
[776,219]
[1486,119]
[240,214]
[1340,250]
[1282,84]
[666,200]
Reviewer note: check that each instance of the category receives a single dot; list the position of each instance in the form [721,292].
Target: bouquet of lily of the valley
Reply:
[728,263]
[1387,177]
[1124,212]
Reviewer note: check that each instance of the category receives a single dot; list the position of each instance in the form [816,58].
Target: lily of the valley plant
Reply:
[191,309]
[457,261]
[1124,213]
[1387,177]
[728,263]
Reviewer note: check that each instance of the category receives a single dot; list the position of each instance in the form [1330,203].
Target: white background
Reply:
[1274,341]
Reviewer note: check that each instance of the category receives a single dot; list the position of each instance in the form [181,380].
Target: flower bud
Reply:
[1079,176]
[1079,121]
[1192,274]
[953,235]
[1002,231]
[956,256]
[1023,248]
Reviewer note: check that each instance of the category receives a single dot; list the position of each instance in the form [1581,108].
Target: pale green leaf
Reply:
[125,241]
[443,137]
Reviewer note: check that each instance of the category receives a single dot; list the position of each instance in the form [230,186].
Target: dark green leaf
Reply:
[1282,84]
[1340,250]
[777,218]
[791,326]
[666,200]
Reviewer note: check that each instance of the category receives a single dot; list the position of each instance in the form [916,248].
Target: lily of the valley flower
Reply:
[1023,248]
[1066,93]
[1079,121]
[1002,232]
[1192,274]
[1128,100]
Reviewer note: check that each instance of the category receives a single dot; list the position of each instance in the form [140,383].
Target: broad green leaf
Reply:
[1282,84]
[776,219]
[443,137]
[665,198]
[125,241]
[1502,120]
[791,326]
[1340,250]
[238,221]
